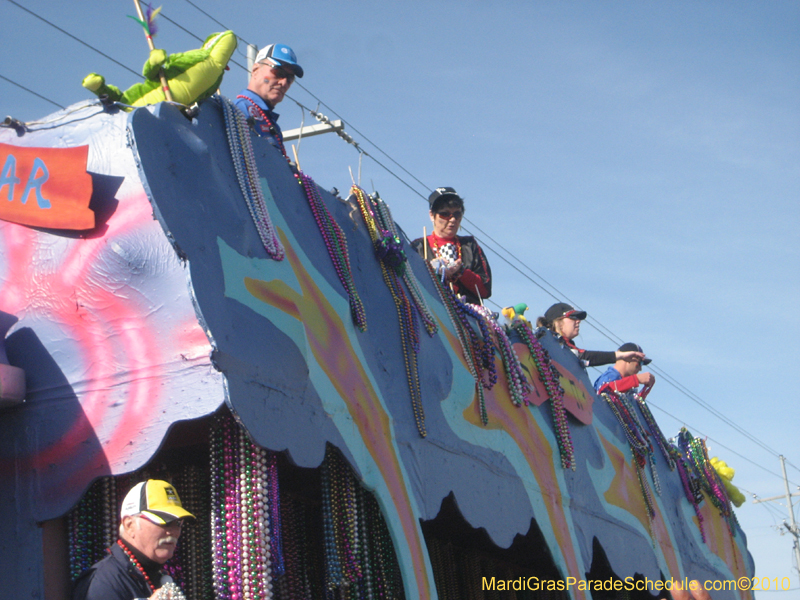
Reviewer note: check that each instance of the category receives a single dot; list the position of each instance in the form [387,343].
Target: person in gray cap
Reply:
[273,73]
[458,258]
[564,322]
[626,373]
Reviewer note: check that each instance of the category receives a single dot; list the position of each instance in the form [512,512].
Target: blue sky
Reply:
[641,157]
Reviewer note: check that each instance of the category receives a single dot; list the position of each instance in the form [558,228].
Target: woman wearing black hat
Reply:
[463,262]
[565,323]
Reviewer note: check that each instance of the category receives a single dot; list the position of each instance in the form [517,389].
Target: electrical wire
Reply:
[77,39]
[22,87]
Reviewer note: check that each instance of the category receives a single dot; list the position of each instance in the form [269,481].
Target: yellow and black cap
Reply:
[156,500]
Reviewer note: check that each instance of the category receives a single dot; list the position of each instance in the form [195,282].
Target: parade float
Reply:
[181,302]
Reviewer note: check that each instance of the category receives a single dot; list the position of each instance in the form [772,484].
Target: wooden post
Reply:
[164,84]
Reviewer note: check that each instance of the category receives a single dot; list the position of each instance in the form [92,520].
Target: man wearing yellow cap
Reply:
[150,525]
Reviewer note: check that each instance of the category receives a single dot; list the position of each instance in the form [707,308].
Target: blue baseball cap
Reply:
[280,55]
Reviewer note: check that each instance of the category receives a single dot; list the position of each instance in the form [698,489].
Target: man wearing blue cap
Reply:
[273,73]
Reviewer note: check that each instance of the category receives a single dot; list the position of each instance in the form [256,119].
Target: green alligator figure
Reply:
[192,76]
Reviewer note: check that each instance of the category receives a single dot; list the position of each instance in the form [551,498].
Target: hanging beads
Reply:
[383,217]
[336,243]
[655,430]
[244,163]
[703,478]
[518,385]
[243,527]
[409,338]
[549,377]
[358,553]
[470,344]
[638,440]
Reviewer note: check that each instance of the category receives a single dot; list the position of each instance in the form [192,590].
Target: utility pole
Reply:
[792,525]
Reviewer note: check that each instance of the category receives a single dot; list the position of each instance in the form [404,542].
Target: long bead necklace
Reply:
[485,345]
[549,377]
[244,163]
[481,351]
[690,490]
[194,552]
[694,452]
[242,529]
[333,567]
[466,336]
[638,442]
[384,218]
[655,430]
[270,124]
[409,337]
[518,385]
[336,243]
[137,564]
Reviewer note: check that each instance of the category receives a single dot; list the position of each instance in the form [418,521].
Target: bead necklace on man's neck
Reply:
[273,129]
[135,562]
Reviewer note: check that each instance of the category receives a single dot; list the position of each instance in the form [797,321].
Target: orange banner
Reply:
[46,187]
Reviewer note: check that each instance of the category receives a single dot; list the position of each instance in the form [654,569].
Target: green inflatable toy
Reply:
[192,76]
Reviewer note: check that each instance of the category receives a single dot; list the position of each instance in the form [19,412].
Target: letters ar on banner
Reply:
[46,187]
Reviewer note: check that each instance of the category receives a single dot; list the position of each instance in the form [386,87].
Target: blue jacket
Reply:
[271,131]
[113,578]
[613,380]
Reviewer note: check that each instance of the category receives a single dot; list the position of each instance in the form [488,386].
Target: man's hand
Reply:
[646,378]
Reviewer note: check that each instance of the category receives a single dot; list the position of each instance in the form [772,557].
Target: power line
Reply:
[206,14]
[352,127]
[22,87]
[54,26]
[218,23]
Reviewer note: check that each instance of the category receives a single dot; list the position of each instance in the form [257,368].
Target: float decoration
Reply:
[707,481]
[518,386]
[661,441]
[156,323]
[726,475]
[191,76]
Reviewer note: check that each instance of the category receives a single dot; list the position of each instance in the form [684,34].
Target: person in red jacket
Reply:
[626,373]
[464,265]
